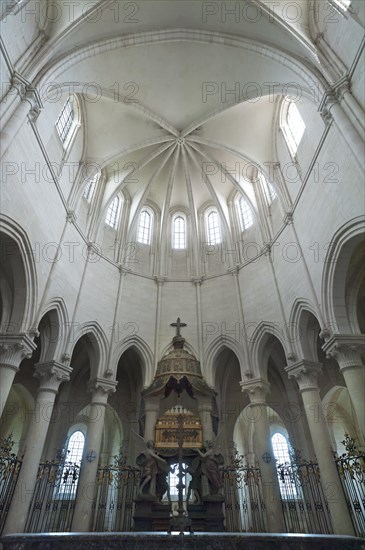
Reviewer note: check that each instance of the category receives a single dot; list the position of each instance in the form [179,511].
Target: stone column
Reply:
[30,104]
[330,107]
[305,373]
[152,410]
[205,412]
[13,349]
[51,375]
[86,488]
[347,350]
[257,390]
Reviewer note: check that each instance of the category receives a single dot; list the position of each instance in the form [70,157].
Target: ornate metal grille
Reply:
[117,489]
[52,505]
[304,505]
[244,503]
[10,466]
[351,469]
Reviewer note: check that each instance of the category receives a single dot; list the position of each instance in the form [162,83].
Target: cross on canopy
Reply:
[178,325]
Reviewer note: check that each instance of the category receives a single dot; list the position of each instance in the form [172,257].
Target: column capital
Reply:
[100,389]
[152,404]
[197,281]
[288,218]
[257,388]
[347,349]
[159,280]
[51,375]
[305,373]
[71,216]
[16,347]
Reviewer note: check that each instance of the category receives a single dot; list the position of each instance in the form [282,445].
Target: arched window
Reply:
[292,126]
[179,233]
[245,214]
[71,468]
[112,213]
[343,4]
[174,479]
[280,447]
[89,187]
[269,190]
[213,228]
[66,119]
[144,227]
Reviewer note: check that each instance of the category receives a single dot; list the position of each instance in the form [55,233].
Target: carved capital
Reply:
[71,216]
[256,388]
[347,349]
[327,117]
[159,280]
[123,270]
[100,389]
[288,218]
[16,347]
[197,281]
[305,373]
[51,375]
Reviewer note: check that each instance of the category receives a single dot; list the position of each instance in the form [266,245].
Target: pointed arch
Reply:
[97,350]
[214,349]
[336,263]
[261,342]
[15,246]
[143,351]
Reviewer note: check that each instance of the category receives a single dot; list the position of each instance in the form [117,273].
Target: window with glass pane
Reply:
[112,213]
[179,233]
[71,468]
[174,479]
[144,228]
[269,191]
[295,128]
[89,187]
[281,452]
[214,230]
[65,120]
[344,4]
[246,216]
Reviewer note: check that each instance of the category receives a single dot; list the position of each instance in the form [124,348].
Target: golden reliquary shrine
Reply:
[167,430]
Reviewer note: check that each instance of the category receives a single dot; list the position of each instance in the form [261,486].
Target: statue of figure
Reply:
[195,485]
[210,467]
[151,464]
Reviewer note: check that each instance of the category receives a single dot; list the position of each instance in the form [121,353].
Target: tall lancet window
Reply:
[292,125]
[213,228]
[71,468]
[179,233]
[245,214]
[112,212]
[269,189]
[144,227]
[344,4]
[65,120]
[280,447]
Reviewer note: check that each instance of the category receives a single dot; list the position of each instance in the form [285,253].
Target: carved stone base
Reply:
[151,515]
[207,517]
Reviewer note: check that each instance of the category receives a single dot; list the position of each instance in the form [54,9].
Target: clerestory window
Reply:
[245,214]
[144,227]
[213,228]
[112,212]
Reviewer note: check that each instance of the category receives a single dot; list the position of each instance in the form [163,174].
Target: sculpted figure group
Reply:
[155,470]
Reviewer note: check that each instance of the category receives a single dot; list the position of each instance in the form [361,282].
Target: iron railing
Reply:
[304,504]
[243,499]
[351,469]
[10,466]
[117,488]
[53,501]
